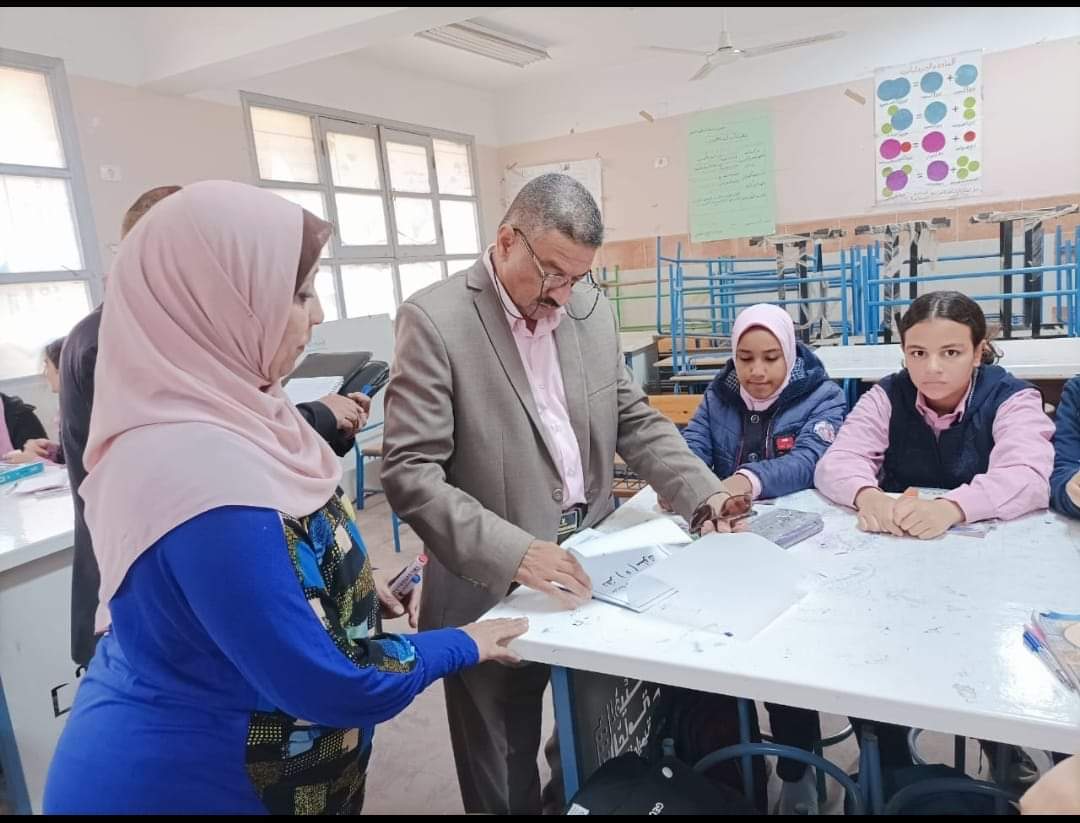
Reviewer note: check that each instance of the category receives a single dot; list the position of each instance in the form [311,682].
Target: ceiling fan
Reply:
[727,53]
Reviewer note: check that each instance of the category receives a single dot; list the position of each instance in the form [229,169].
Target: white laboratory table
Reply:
[1042,359]
[925,634]
[37,677]
[634,342]
[638,348]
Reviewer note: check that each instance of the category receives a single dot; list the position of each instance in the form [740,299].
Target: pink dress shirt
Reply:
[540,357]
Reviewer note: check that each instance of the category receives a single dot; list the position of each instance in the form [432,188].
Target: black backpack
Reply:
[700,723]
[630,784]
[688,726]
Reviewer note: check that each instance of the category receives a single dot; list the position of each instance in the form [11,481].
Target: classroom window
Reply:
[49,270]
[403,199]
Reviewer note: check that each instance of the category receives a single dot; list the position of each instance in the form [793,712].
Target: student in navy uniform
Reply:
[951,420]
[1065,481]
[763,424]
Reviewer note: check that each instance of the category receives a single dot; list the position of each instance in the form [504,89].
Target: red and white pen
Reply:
[408,578]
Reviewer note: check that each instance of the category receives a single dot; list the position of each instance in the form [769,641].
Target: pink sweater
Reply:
[1016,482]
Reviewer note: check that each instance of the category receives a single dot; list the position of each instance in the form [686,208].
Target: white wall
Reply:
[824,148]
[487,169]
[154,140]
[611,95]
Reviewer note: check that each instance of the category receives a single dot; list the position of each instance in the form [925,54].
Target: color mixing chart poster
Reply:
[928,129]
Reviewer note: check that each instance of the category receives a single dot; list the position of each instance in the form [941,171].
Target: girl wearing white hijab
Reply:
[763,424]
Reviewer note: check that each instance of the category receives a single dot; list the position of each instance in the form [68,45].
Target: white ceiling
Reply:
[582,38]
[366,59]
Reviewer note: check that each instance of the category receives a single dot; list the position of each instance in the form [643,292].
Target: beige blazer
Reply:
[466,460]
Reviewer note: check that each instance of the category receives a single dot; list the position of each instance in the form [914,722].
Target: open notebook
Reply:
[616,563]
[729,584]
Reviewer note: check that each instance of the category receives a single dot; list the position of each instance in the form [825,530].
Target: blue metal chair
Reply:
[905,797]
[373,451]
[363,453]
[819,750]
[748,750]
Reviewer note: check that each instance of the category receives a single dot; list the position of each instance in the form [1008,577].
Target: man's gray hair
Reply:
[559,202]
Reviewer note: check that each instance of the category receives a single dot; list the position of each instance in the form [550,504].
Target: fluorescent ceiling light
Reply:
[473,37]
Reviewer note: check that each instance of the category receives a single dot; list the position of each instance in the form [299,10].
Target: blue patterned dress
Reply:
[243,673]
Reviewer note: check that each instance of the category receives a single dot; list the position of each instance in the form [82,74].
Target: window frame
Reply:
[323,121]
[73,173]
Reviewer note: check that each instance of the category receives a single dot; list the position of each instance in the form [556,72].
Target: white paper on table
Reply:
[623,577]
[660,532]
[583,536]
[730,584]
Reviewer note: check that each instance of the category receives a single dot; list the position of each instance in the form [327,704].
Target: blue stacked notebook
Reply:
[10,472]
[1058,634]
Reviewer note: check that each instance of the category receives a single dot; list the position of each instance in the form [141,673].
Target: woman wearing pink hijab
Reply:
[762,425]
[241,670]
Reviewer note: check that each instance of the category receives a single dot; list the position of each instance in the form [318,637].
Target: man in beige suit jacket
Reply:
[477,461]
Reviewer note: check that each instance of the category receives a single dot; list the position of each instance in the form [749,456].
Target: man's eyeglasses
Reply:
[581,283]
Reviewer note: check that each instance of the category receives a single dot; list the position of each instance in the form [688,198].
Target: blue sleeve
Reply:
[1066,449]
[698,432]
[234,569]
[794,471]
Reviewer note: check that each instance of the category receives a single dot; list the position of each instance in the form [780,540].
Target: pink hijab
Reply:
[186,418]
[779,323]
